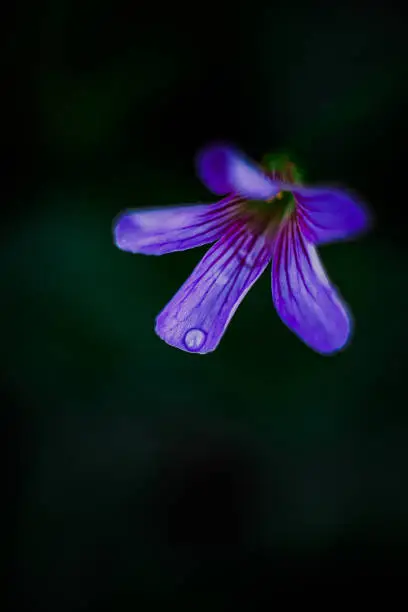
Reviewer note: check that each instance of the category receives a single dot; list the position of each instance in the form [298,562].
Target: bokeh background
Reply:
[138,475]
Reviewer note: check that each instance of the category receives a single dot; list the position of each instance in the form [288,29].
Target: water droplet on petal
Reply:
[194,339]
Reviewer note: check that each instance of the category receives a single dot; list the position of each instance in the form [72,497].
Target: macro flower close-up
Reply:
[266,215]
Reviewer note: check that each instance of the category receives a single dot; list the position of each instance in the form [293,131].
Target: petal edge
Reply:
[224,169]
[166,230]
[304,298]
[330,214]
[198,315]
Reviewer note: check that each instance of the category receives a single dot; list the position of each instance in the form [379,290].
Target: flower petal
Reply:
[302,293]
[164,230]
[197,316]
[223,169]
[329,215]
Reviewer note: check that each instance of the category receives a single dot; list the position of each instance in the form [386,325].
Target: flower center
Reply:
[278,196]
[266,215]
[280,167]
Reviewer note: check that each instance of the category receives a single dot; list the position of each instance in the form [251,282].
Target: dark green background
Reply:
[139,473]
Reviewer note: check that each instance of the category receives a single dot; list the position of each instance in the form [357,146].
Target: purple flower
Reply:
[266,215]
